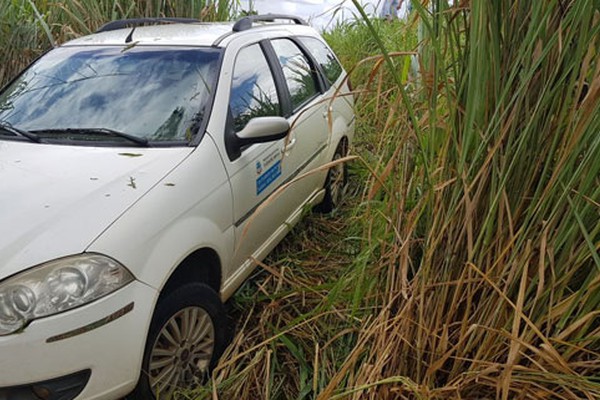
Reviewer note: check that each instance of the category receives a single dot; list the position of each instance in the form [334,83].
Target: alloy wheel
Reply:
[182,352]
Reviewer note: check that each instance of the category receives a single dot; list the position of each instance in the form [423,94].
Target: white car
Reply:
[144,170]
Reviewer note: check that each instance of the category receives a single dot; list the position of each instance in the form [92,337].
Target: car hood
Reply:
[55,200]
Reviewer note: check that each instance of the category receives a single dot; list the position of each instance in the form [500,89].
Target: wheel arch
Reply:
[201,266]
[341,134]
[344,143]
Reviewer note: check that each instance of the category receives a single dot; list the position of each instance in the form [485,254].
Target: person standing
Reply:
[390,8]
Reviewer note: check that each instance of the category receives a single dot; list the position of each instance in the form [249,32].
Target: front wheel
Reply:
[336,181]
[187,336]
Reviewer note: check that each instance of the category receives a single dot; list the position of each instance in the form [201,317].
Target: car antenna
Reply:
[129,37]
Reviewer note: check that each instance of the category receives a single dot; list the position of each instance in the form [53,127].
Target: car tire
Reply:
[335,183]
[186,338]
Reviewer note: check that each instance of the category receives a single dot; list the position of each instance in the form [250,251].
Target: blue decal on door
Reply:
[268,177]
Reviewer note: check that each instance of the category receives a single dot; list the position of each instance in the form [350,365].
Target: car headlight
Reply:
[57,286]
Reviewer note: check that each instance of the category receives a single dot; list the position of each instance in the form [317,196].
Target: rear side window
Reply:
[297,70]
[330,65]
[253,90]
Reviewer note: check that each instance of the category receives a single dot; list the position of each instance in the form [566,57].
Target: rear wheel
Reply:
[335,184]
[186,339]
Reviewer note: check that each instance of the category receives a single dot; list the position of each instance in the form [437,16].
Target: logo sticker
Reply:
[268,177]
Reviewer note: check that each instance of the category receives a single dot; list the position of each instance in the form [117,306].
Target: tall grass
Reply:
[487,213]
[28,28]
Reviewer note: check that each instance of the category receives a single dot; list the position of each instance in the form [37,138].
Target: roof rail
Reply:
[245,23]
[131,23]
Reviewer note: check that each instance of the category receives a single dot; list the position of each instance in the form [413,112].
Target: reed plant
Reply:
[487,213]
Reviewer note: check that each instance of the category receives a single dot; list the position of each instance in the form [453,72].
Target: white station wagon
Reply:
[144,170]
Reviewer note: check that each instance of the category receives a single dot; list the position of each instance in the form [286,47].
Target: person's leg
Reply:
[386,9]
[394,9]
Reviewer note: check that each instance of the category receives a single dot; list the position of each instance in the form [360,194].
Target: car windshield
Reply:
[155,93]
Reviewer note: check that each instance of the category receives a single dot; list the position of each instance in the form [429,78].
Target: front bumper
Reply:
[63,388]
[106,337]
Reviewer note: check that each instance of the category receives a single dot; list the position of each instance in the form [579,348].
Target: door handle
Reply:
[290,144]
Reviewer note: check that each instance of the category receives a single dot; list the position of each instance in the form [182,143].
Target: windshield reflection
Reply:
[155,93]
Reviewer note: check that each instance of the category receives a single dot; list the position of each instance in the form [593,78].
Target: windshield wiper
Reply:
[98,131]
[19,132]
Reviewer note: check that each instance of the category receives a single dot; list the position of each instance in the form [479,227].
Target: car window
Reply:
[253,90]
[299,75]
[152,92]
[324,56]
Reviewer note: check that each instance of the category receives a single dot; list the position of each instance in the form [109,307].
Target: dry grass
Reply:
[294,317]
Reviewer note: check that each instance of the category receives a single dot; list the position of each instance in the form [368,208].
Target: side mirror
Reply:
[257,130]
[262,130]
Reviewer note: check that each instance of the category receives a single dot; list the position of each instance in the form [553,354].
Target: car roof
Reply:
[190,33]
